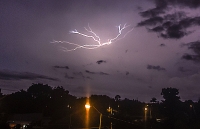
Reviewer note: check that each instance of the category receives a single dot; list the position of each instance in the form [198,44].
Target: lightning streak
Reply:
[95,37]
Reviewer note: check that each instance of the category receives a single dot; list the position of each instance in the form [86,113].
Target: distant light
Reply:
[145,109]
[87,106]
[191,105]
[158,120]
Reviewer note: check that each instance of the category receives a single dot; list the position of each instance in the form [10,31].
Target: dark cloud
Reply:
[157,29]
[191,57]
[127,73]
[175,16]
[182,69]
[68,77]
[167,24]
[159,9]
[163,4]
[100,73]
[12,75]
[152,12]
[80,74]
[162,45]
[61,67]
[87,71]
[151,21]
[139,8]
[171,29]
[88,77]
[100,61]
[195,47]
[186,3]
[155,67]
[190,21]
[170,25]
[188,57]
[175,31]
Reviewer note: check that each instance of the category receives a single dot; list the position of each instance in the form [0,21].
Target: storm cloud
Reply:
[61,67]
[195,47]
[13,75]
[100,61]
[68,77]
[155,67]
[169,25]
[100,73]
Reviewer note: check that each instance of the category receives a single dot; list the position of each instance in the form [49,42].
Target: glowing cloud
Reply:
[96,38]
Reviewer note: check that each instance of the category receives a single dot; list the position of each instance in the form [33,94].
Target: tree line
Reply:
[68,111]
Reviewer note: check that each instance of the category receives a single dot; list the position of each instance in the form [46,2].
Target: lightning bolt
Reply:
[95,38]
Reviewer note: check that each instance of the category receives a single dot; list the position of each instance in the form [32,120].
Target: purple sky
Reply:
[163,50]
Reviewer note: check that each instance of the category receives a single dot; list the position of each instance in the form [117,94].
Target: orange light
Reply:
[87,106]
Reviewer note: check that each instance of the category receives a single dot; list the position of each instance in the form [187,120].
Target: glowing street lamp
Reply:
[87,106]
[145,114]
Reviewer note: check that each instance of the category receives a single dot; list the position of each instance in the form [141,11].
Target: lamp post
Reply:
[145,116]
[69,107]
[110,110]
[87,106]
[145,113]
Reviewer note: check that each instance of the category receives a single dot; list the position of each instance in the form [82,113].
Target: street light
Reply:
[149,108]
[145,116]
[110,110]
[145,113]
[87,106]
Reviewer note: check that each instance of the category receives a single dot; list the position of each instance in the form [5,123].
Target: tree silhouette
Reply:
[1,94]
[65,109]
[59,103]
[170,94]
[153,100]
[39,90]
[18,102]
[117,97]
[171,105]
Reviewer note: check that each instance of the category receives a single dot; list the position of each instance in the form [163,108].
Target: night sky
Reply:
[162,50]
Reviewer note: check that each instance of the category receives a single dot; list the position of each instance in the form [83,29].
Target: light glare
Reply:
[87,106]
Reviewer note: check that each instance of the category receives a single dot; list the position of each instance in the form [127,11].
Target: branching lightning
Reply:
[95,37]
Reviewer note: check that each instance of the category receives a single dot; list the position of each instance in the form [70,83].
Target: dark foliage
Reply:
[67,111]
